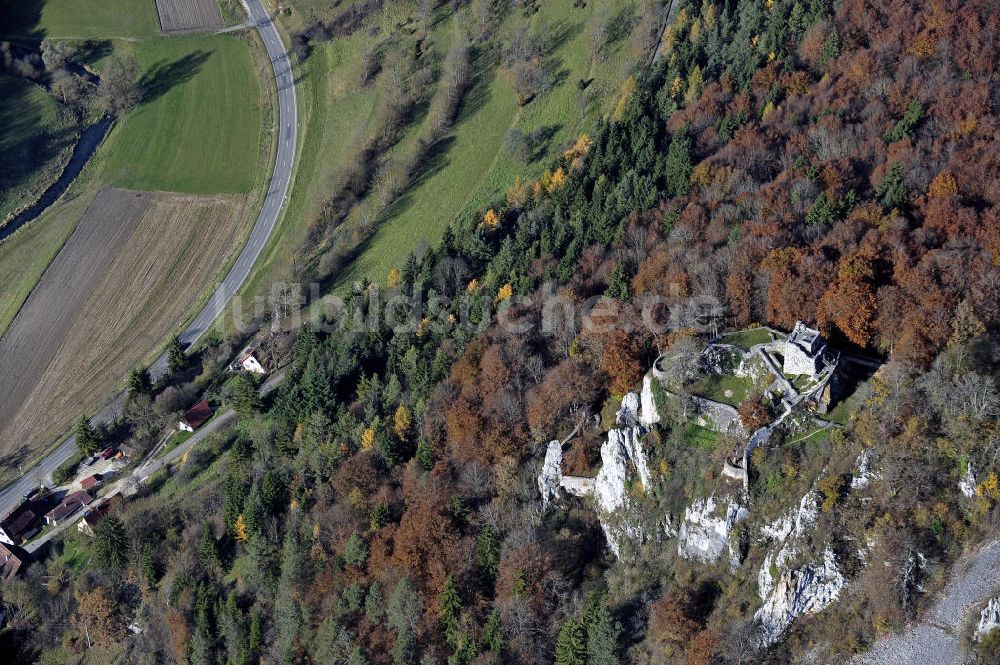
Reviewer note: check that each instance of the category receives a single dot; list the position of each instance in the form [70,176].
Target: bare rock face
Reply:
[989,618]
[648,415]
[628,413]
[864,474]
[705,533]
[790,592]
[967,485]
[551,475]
[805,590]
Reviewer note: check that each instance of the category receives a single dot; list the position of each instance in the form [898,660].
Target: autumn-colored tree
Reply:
[622,360]
[491,219]
[569,388]
[754,413]
[98,617]
[670,623]
[240,533]
[849,303]
[401,421]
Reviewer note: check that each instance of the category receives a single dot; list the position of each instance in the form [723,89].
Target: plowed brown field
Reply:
[103,304]
[177,16]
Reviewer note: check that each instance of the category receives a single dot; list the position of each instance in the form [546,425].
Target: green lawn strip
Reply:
[37,136]
[333,117]
[76,550]
[177,439]
[79,19]
[747,338]
[424,211]
[558,110]
[200,129]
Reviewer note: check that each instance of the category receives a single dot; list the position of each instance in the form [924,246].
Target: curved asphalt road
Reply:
[277,191]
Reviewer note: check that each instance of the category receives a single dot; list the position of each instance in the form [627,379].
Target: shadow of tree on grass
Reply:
[163,75]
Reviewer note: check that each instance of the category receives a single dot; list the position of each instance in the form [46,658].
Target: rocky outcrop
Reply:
[551,474]
[967,485]
[989,618]
[706,532]
[805,590]
[623,465]
[790,592]
[622,459]
[796,522]
[864,474]
[628,413]
[648,415]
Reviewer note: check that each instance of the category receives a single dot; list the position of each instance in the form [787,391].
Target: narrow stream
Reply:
[90,139]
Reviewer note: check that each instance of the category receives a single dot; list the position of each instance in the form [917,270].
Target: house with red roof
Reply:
[196,416]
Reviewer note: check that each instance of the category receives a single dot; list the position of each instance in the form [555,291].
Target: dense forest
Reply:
[834,163]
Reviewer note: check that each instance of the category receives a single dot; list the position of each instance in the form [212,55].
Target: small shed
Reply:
[196,416]
[90,482]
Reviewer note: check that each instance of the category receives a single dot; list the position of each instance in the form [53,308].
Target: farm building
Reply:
[196,416]
[70,504]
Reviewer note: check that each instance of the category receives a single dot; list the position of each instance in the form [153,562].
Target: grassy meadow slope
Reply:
[36,142]
[468,166]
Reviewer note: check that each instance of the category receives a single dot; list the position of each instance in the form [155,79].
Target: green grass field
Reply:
[78,19]
[36,140]
[200,129]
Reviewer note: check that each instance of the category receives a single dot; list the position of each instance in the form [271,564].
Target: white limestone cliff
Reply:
[967,485]
[551,474]
[989,618]
[648,415]
[705,534]
[804,590]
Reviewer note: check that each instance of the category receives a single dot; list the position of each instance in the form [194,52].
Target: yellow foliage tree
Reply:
[367,439]
[627,90]
[394,278]
[579,149]
[943,186]
[472,286]
[557,181]
[676,87]
[505,292]
[536,191]
[694,85]
[491,219]
[517,194]
[240,533]
[401,421]
[990,488]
